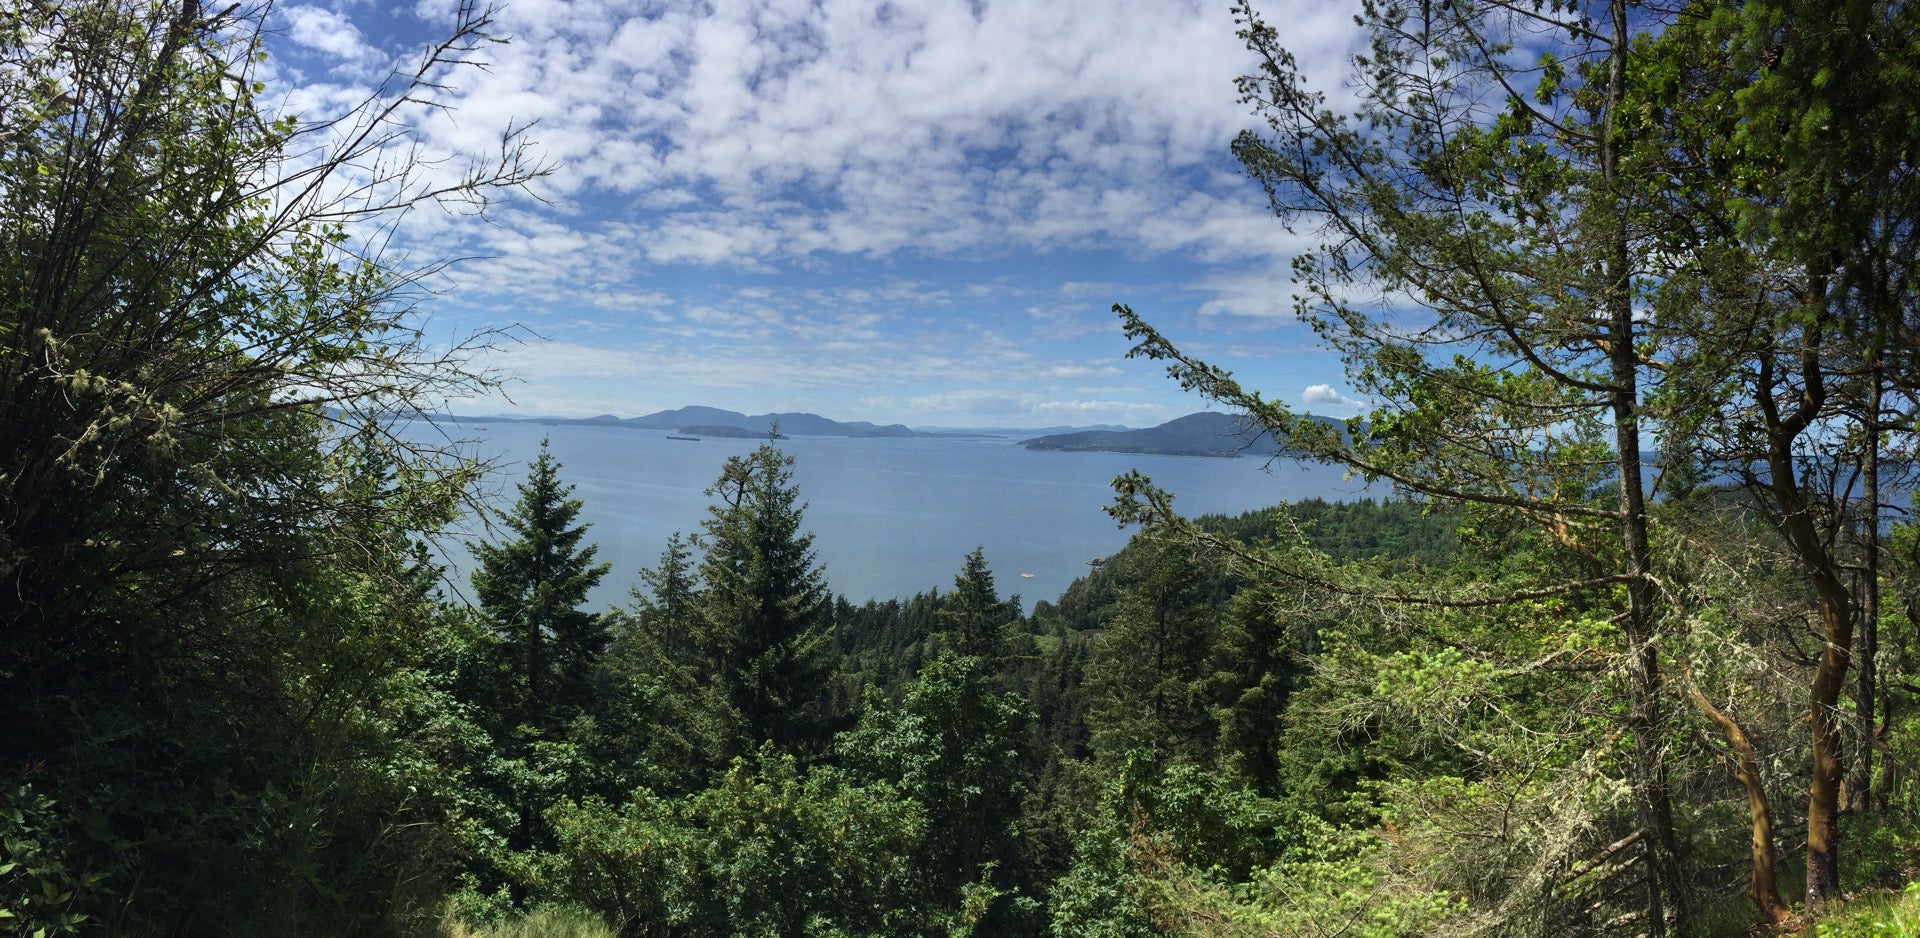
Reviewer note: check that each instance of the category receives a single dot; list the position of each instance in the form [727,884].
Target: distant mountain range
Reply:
[1207,433]
[790,424]
[712,421]
[1203,434]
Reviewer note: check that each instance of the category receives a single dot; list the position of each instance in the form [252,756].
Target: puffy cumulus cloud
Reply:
[336,37]
[920,126]
[755,193]
[1326,395]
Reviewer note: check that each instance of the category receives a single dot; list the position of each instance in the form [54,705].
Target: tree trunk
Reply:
[1829,677]
[1834,600]
[1764,886]
[1665,901]
[1823,804]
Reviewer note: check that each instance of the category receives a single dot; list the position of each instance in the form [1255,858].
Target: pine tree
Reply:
[666,608]
[766,612]
[530,591]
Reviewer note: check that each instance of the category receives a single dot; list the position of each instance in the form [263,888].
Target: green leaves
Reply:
[208,518]
[769,849]
[42,885]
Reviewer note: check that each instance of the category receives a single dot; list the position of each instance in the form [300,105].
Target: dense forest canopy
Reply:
[1543,690]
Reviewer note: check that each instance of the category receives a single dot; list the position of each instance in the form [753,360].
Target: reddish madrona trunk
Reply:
[1764,886]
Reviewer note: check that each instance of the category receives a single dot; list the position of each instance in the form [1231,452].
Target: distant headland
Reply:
[1207,433]
[714,422]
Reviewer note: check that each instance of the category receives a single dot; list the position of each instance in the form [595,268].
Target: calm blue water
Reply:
[890,517]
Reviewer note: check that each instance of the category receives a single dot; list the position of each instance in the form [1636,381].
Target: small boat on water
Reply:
[692,438]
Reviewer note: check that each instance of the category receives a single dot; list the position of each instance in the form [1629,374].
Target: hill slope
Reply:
[1207,433]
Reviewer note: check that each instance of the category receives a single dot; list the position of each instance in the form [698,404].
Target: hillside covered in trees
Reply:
[1555,686]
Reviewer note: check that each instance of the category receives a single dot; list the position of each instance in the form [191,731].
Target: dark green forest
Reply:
[1630,651]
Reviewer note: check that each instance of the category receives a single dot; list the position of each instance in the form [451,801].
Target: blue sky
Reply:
[914,212]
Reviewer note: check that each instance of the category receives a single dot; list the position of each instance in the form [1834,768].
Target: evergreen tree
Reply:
[766,614]
[664,721]
[206,518]
[665,610]
[952,745]
[1149,676]
[530,590]
[975,615]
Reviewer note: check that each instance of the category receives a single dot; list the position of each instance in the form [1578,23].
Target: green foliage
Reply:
[1874,916]
[239,703]
[1333,882]
[1094,897]
[765,609]
[656,718]
[1148,678]
[1179,851]
[530,591]
[770,850]
[1881,852]
[975,617]
[542,922]
[40,883]
[207,525]
[952,746]
[884,643]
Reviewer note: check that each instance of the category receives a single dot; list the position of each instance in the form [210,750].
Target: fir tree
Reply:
[530,591]
[766,611]
[975,615]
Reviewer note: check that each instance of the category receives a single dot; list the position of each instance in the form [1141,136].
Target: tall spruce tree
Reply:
[766,611]
[531,589]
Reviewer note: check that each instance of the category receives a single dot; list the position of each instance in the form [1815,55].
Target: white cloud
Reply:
[1012,407]
[724,168]
[914,126]
[1131,413]
[1325,395]
[331,33]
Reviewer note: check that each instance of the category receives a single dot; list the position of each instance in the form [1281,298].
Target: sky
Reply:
[904,212]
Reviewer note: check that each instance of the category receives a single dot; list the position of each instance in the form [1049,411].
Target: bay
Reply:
[890,517]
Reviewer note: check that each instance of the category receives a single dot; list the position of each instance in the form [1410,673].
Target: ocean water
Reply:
[890,517]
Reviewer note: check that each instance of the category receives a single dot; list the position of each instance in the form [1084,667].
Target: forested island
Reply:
[714,421]
[1207,433]
[1540,691]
